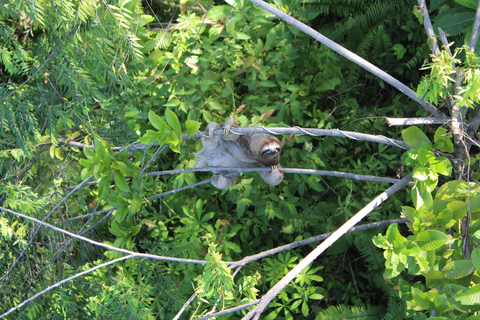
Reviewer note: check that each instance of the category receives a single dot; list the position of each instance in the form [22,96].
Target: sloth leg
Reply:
[229,124]
[273,177]
[224,182]
[212,126]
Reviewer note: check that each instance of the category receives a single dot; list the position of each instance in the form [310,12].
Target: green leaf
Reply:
[431,239]
[172,121]
[415,138]
[469,297]
[120,182]
[120,213]
[135,205]
[241,206]
[476,259]
[192,127]
[442,136]
[156,121]
[103,187]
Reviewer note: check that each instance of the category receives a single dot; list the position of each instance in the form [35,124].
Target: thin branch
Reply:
[257,311]
[34,234]
[276,131]
[103,245]
[443,37]
[64,281]
[232,310]
[476,25]
[350,56]
[414,121]
[181,189]
[353,176]
[304,242]
[427,23]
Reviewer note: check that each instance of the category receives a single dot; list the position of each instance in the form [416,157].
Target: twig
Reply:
[232,310]
[276,131]
[414,121]
[443,37]
[476,25]
[64,281]
[350,56]
[257,311]
[353,176]
[103,245]
[304,242]
[34,234]
[427,23]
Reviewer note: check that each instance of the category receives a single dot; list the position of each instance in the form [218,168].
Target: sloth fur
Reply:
[239,151]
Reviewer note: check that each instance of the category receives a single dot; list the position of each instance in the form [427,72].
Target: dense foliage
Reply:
[101,93]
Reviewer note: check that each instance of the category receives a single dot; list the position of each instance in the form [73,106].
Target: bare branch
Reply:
[34,234]
[285,170]
[443,37]
[103,245]
[257,311]
[476,25]
[304,242]
[232,310]
[414,121]
[64,281]
[427,23]
[350,56]
[276,131]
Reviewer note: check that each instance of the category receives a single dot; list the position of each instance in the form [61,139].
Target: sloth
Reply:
[240,151]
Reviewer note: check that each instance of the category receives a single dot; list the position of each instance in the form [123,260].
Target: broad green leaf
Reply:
[469,297]
[415,138]
[136,204]
[172,121]
[241,206]
[458,269]
[442,136]
[121,183]
[476,259]
[120,214]
[104,187]
[457,190]
[156,121]
[192,127]
[431,239]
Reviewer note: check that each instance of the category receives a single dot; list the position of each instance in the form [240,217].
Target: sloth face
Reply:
[270,148]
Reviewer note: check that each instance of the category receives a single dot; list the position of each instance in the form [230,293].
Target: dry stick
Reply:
[350,56]
[476,24]
[427,23]
[257,311]
[414,121]
[239,264]
[353,176]
[227,311]
[304,242]
[38,228]
[273,130]
[64,281]
[103,245]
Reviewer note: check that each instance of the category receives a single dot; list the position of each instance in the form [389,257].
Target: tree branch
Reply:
[427,23]
[257,311]
[414,121]
[350,56]
[476,25]
[64,281]
[103,245]
[304,242]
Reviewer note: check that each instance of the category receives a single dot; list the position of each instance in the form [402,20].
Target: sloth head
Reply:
[270,147]
[266,149]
